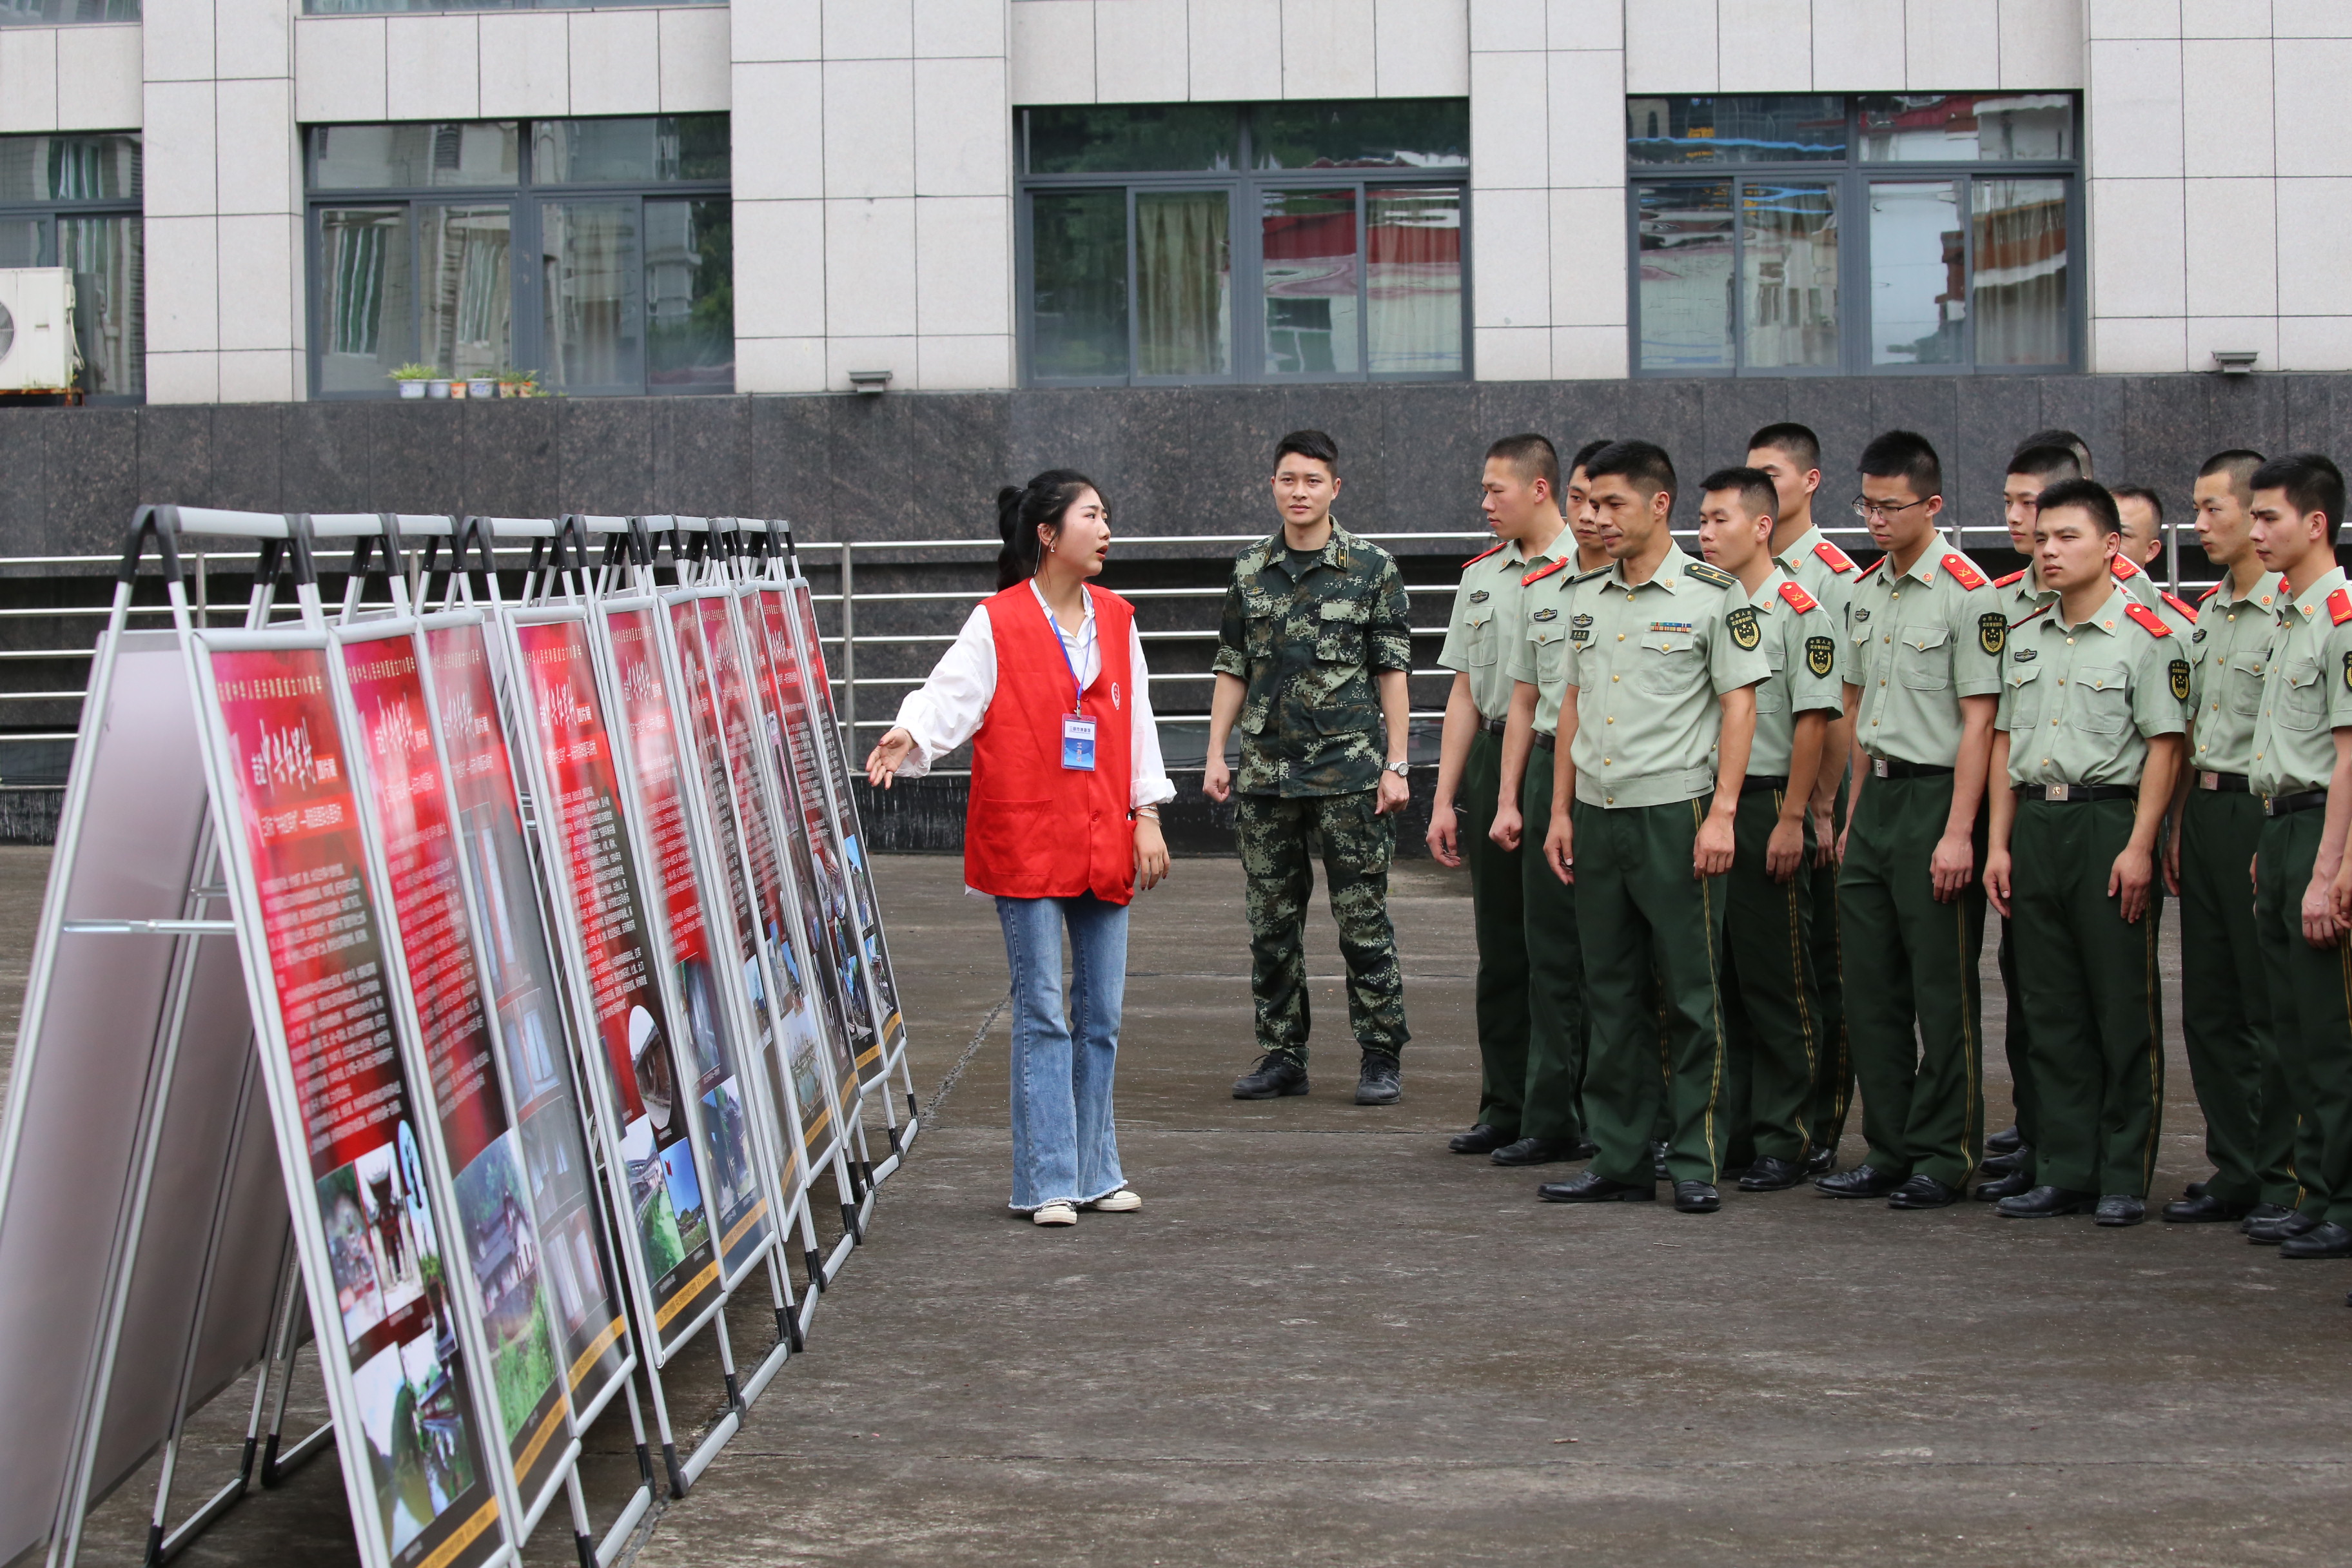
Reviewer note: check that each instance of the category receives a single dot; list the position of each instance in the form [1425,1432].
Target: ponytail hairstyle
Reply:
[1022,510]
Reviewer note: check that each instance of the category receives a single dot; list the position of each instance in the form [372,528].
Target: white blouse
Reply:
[946,710]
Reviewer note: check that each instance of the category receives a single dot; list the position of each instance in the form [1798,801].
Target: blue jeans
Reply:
[1065,1149]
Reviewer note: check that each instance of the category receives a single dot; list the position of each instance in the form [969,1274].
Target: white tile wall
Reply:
[1511,253]
[1952,43]
[1509,129]
[2311,71]
[2136,266]
[2040,44]
[257,278]
[253,124]
[2315,230]
[432,68]
[1857,46]
[962,132]
[1512,353]
[615,61]
[1765,46]
[526,64]
[1328,49]
[339,69]
[1670,47]
[780,248]
[869,127]
[898,354]
[2225,18]
[178,36]
[694,59]
[2125,345]
[1236,50]
[1585,118]
[950,27]
[2229,244]
[28,79]
[183,284]
[2315,343]
[1053,44]
[971,363]
[778,364]
[259,376]
[99,84]
[869,29]
[2135,18]
[1503,25]
[1588,257]
[2233,77]
[1586,354]
[1141,51]
[2204,334]
[178,375]
[964,265]
[253,38]
[179,160]
[869,268]
[1423,48]
[780,111]
[778,30]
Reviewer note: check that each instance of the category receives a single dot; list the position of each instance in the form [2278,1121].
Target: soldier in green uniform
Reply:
[1656,722]
[1772,998]
[2302,769]
[2093,703]
[1519,490]
[1791,455]
[1312,661]
[1925,638]
[2225,1014]
[1553,1109]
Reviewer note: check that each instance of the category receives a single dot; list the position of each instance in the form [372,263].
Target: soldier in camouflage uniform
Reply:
[1312,661]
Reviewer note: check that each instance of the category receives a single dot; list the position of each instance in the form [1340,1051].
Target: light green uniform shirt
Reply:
[1801,646]
[2306,691]
[1649,662]
[1822,570]
[2080,702]
[1485,622]
[2227,654]
[1539,652]
[1920,641]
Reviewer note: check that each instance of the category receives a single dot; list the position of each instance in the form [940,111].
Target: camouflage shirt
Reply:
[1308,647]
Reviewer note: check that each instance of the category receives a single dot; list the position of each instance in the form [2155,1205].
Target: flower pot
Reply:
[437,389]
[508,389]
[481,387]
[412,389]
[457,387]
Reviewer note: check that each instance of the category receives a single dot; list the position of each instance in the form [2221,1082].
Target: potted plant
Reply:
[513,383]
[411,379]
[438,388]
[482,385]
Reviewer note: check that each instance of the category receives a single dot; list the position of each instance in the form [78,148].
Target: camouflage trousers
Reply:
[1280,840]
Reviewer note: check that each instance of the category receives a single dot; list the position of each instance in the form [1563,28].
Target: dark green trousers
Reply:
[1638,906]
[2090,983]
[1498,913]
[1281,837]
[1833,1069]
[2017,1045]
[1913,1003]
[2310,1018]
[2225,1010]
[1557,1031]
[1771,1001]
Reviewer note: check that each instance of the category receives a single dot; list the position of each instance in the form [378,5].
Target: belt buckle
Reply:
[2054,792]
[2267,808]
[2209,781]
[1878,767]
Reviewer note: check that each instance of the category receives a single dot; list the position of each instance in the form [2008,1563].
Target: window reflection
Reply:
[52,13]
[1789,275]
[1130,138]
[2021,271]
[652,150]
[1918,258]
[1183,282]
[78,199]
[1781,129]
[1077,301]
[366,308]
[1414,287]
[1685,275]
[1967,127]
[690,295]
[431,154]
[589,271]
[1383,134]
[108,258]
[1308,241]
[469,317]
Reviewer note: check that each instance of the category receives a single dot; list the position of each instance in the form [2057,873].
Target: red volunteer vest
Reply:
[1036,829]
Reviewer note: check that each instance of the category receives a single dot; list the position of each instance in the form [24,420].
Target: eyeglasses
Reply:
[1863,507]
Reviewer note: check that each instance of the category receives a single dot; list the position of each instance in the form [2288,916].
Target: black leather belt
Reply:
[1546,740]
[1888,768]
[2287,804]
[1494,726]
[1757,783]
[2225,783]
[2077,794]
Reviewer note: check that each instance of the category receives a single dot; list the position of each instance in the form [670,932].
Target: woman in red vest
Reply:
[1048,681]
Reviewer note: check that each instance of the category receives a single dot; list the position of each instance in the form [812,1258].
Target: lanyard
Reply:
[1077,686]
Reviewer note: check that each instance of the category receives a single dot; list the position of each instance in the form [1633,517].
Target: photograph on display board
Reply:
[518,978]
[399,1377]
[599,871]
[410,812]
[743,1225]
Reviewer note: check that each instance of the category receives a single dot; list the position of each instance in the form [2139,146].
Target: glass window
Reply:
[1967,127]
[1789,274]
[652,150]
[690,295]
[393,157]
[1388,133]
[465,257]
[69,168]
[1183,282]
[366,303]
[73,201]
[1311,272]
[108,258]
[591,265]
[1718,130]
[1078,299]
[2018,280]
[1918,258]
[1131,138]
[53,13]
[1686,269]
[1413,267]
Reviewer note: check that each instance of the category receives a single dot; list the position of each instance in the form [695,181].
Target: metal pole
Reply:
[2172,553]
[848,657]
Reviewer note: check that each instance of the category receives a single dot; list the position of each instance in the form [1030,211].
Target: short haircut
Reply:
[2141,493]
[1754,486]
[2238,463]
[1308,444]
[2089,495]
[1796,442]
[1533,456]
[1646,465]
[1584,453]
[2312,483]
[1905,455]
[2066,439]
[2049,464]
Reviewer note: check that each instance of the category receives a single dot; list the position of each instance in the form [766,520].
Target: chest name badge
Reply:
[1478,596]
[1077,743]
[1545,614]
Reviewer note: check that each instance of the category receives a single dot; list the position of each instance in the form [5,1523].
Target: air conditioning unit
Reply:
[37,351]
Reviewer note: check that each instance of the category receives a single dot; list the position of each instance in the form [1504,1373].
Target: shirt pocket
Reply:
[1670,664]
[2242,683]
[2022,683]
[2101,704]
[2303,704]
[1261,620]
[1552,653]
[1772,691]
[1480,646]
[1923,658]
[1339,631]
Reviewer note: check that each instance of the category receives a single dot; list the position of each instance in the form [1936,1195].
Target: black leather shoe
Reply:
[2329,1241]
[1480,1140]
[2262,1213]
[1698,1197]
[2002,1165]
[2193,1190]
[1536,1151]
[2016,1183]
[1923,1192]
[1819,1162]
[2203,1208]
[2272,1231]
[1589,1188]
[2045,1202]
[1275,1075]
[1380,1081]
[1862,1182]
[2008,1141]
[2122,1208]
[1658,1161]
[1770,1173]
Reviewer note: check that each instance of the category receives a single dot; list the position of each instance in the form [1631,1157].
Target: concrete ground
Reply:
[1326,1340]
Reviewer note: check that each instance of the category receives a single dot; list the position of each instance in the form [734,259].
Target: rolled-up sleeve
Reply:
[945,711]
[1390,637]
[1148,783]
[1233,636]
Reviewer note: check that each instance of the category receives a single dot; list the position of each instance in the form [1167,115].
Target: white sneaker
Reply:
[1056,1213]
[1120,1202]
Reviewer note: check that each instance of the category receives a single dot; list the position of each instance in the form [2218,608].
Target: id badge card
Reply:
[1077,742]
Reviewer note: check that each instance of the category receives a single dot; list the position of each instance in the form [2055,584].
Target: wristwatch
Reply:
[1397,768]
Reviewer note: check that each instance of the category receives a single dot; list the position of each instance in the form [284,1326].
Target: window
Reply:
[55,13]
[599,253]
[1178,243]
[1958,212]
[73,201]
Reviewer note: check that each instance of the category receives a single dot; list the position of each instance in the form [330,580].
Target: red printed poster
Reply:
[428,900]
[518,987]
[743,1218]
[672,1223]
[396,1372]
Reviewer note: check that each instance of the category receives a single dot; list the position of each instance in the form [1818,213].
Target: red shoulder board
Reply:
[2123,570]
[2339,606]
[2149,621]
[1798,600]
[1483,555]
[1540,573]
[1963,570]
[2012,581]
[1833,558]
[1871,567]
[2209,593]
[2183,605]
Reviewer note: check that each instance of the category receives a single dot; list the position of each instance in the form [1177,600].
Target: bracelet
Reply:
[1146,814]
